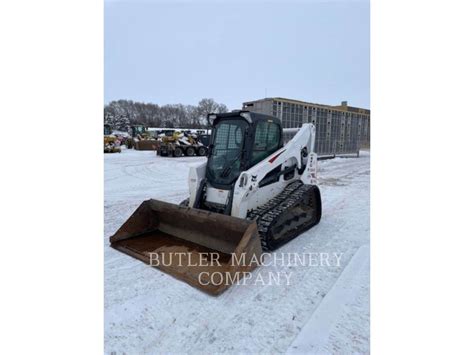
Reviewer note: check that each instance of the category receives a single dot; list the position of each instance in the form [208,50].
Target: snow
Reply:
[352,283]
[324,309]
[121,134]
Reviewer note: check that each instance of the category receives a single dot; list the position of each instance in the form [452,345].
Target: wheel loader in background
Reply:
[140,138]
[253,193]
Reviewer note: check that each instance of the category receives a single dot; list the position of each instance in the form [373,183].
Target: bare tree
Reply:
[207,106]
[120,112]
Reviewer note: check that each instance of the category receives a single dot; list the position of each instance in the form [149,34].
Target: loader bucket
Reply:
[146,144]
[207,250]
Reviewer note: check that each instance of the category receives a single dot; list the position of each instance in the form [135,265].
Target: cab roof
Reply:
[249,116]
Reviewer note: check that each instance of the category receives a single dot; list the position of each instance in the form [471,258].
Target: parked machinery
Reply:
[141,139]
[178,144]
[111,142]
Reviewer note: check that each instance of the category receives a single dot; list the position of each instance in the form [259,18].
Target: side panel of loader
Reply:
[201,248]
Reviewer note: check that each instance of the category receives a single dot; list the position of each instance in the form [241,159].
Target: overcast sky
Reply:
[163,52]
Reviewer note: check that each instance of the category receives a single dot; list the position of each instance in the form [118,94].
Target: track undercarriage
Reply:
[296,209]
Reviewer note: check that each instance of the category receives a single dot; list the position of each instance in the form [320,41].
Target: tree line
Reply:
[122,113]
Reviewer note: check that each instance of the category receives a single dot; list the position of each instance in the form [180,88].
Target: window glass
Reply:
[267,139]
[224,163]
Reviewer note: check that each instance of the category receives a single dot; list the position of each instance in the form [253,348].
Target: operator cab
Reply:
[240,140]
[137,130]
[204,139]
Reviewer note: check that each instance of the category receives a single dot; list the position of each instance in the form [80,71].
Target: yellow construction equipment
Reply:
[111,142]
[178,144]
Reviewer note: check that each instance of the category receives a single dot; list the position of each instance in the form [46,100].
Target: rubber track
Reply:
[267,214]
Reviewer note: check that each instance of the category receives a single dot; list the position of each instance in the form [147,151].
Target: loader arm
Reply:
[297,160]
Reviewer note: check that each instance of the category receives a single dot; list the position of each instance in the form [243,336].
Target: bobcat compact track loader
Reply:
[252,193]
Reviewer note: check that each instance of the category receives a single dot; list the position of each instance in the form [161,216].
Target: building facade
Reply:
[340,129]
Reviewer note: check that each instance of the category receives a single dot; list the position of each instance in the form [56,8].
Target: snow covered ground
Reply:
[323,310]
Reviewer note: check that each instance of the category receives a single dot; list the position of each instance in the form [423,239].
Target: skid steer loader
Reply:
[252,194]
[111,142]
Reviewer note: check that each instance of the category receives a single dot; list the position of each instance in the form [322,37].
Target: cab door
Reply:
[267,140]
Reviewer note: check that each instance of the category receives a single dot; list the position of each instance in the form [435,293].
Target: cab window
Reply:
[267,141]
[223,166]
